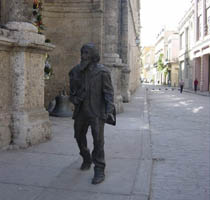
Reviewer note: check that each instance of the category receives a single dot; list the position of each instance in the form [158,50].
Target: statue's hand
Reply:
[110,116]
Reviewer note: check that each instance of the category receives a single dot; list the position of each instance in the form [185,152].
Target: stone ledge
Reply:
[22,27]
[116,65]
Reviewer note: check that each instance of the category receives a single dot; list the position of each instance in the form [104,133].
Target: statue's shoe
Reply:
[98,179]
[85,166]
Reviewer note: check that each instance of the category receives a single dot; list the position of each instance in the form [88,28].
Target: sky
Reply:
[156,14]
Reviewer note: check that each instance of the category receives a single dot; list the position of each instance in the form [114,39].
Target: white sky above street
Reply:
[155,14]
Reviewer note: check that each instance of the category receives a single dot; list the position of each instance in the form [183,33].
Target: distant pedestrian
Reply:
[195,84]
[181,84]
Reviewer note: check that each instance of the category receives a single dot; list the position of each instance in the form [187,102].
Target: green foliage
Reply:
[166,71]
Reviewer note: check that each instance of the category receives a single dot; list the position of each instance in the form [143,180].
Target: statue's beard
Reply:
[84,64]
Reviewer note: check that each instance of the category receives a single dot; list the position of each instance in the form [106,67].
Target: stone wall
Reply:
[133,49]
[5,95]
[69,25]
[112,25]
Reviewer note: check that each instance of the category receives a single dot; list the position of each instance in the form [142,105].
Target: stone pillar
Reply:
[204,19]
[5,94]
[29,122]
[197,71]
[111,56]
[111,27]
[125,78]
[19,10]
[204,73]
[196,20]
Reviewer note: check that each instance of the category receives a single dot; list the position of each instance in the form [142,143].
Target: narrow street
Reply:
[159,150]
[180,130]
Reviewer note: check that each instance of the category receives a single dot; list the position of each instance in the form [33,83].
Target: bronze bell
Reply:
[62,107]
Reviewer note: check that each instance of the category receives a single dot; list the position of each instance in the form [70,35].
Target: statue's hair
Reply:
[94,51]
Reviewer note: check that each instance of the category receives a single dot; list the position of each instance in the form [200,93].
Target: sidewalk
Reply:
[50,171]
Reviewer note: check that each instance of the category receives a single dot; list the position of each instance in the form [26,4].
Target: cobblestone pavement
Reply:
[180,138]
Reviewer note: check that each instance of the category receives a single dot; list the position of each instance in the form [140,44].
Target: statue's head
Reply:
[89,51]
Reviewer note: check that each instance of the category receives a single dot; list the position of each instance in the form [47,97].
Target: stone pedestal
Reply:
[25,51]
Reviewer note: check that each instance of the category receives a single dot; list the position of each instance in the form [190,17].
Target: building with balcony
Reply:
[186,44]
[161,56]
[148,57]
[194,55]
[201,49]
[171,62]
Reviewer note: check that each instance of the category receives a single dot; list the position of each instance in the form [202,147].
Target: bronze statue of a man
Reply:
[92,94]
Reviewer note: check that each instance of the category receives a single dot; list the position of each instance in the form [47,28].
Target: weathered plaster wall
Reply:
[111,24]
[69,25]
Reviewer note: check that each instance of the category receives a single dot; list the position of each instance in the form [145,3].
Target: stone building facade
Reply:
[186,43]
[148,57]
[172,60]
[112,25]
[201,50]
[194,31]
[23,119]
[161,51]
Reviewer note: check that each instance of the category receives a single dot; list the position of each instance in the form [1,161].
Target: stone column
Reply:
[29,120]
[111,56]
[197,71]
[204,19]
[204,73]
[5,91]
[111,29]
[125,78]
[19,10]
[196,20]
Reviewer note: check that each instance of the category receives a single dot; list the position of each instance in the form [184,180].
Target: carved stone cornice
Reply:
[72,6]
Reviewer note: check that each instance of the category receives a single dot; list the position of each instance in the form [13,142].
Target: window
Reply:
[199,27]
[208,20]
[181,40]
[187,37]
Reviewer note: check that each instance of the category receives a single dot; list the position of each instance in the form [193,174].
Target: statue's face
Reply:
[86,54]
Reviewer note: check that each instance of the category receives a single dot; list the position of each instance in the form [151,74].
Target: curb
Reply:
[146,162]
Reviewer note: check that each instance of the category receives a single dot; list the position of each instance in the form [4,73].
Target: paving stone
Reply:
[16,192]
[180,136]
[72,195]
[120,175]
